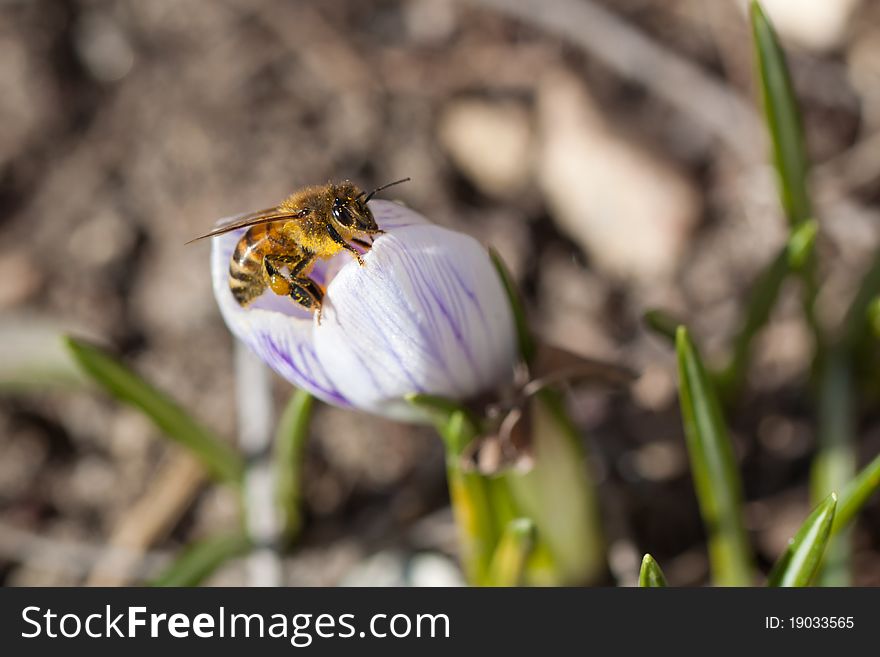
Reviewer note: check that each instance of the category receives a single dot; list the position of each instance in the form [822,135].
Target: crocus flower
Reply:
[425,314]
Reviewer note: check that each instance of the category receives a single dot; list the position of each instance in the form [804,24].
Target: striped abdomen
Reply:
[246,278]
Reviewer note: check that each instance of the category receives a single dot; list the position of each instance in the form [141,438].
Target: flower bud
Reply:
[426,313]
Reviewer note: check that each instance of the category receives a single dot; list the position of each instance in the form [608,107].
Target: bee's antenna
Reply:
[379,189]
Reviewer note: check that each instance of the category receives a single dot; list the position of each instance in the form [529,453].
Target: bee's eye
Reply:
[342,214]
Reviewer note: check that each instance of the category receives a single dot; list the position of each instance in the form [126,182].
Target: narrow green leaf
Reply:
[650,574]
[290,440]
[783,119]
[523,332]
[762,299]
[856,494]
[801,243]
[760,305]
[202,558]
[219,459]
[661,323]
[874,316]
[834,464]
[716,479]
[858,316]
[558,493]
[801,560]
[509,561]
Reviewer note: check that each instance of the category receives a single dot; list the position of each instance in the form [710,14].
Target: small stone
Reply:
[630,210]
[20,278]
[103,46]
[432,569]
[491,143]
[818,26]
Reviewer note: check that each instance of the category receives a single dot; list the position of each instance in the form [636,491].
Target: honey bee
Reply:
[282,243]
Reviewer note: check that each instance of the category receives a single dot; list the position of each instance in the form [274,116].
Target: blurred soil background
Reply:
[617,163]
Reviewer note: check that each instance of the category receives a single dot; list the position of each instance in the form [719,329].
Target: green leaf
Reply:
[716,479]
[874,316]
[219,459]
[558,493]
[523,333]
[509,561]
[290,440]
[783,119]
[792,257]
[202,558]
[859,314]
[650,575]
[834,464]
[856,494]
[801,560]
[801,243]
[661,323]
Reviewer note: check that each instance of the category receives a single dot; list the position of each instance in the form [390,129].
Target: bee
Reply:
[282,243]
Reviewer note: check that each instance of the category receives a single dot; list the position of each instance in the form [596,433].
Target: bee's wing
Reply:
[266,216]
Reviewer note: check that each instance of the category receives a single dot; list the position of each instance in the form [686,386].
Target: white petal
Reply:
[426,314]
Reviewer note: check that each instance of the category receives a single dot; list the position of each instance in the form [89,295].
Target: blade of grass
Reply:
[509,561]
[202,558]
[558,493]
[650,574]
[762,299]
[859,314]
[290,440]
[856,493]
[219,459]
[834,464]
[523,333]
[716,480]
[874,316]
[661,323]
[800,562]
[783,119]
[789,150]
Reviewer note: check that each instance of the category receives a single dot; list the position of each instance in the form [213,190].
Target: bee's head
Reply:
[350,209]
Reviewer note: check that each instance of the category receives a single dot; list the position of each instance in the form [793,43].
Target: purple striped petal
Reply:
[426,313]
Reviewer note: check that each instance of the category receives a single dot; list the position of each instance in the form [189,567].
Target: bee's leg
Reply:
[363,243]
[373,234]
[276,281]
[297,264]
[336,237]
[302,289]
[308,294]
